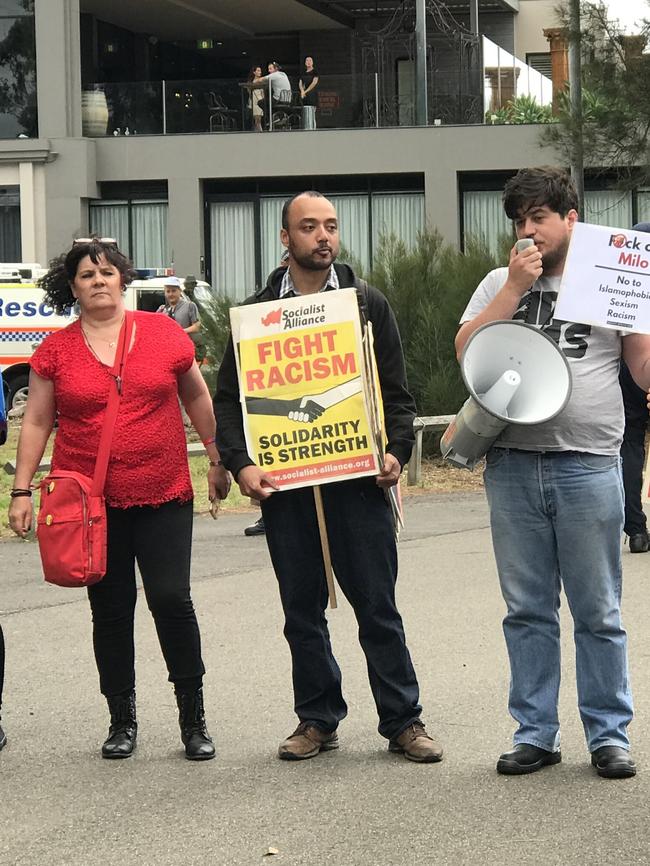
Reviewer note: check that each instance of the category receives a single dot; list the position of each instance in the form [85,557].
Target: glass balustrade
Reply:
[220,105]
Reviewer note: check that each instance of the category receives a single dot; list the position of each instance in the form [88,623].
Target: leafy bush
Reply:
[521,109]
[215,324]
[428,287]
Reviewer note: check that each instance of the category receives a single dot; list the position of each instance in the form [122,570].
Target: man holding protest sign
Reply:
[358,517]
[555,496]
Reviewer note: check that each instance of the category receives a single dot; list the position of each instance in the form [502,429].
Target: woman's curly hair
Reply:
[63,270]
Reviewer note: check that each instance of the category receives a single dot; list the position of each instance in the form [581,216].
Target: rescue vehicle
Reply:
[25,319]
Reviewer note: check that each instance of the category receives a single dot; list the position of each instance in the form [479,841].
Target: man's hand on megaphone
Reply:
[525,268]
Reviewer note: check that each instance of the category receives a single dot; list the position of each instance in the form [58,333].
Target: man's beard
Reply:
[309,263]
[552,259]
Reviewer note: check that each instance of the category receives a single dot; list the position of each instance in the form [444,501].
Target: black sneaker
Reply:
[3,738]
[256,528]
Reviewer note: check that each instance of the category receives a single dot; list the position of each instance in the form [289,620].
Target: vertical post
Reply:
[164,106]
[498,76]
[473,16]
[377,100]
[575,90]
[269,103]
[421,99]
[325,546]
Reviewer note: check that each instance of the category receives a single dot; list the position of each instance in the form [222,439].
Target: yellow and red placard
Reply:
[306,392]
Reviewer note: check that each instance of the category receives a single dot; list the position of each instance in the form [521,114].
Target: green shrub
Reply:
[215,324]
[521,109]
[428,287]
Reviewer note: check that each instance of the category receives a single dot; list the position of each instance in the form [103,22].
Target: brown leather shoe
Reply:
[416,745]
[306,742]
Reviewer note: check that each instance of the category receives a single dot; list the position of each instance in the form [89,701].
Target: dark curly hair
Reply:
[536,187]
[63,270]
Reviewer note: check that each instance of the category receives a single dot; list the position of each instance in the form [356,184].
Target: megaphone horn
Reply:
[515,374]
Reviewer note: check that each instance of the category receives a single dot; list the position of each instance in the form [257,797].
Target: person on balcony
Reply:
[308,83]
[255,97]
[280,89]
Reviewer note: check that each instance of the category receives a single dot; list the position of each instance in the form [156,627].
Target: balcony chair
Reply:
[286,113]
[221,117]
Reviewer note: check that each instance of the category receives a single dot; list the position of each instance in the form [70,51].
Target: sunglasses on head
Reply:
[94,241]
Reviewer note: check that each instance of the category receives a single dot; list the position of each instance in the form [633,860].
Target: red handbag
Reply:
[71,523]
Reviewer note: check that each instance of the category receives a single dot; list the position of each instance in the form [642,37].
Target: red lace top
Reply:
[148,462]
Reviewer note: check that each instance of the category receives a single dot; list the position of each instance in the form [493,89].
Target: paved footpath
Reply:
[61,804]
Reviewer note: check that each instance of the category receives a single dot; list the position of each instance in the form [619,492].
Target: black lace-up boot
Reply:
[123,731]
[194,734]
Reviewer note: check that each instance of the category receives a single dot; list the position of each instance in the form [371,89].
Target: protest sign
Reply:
[304,389]
[606,279]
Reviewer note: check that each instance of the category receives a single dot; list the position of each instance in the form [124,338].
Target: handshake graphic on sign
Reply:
[307,408]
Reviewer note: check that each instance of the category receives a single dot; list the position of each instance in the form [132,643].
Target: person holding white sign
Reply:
[556,498]
[358,516]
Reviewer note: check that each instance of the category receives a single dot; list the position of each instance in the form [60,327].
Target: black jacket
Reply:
[399,406]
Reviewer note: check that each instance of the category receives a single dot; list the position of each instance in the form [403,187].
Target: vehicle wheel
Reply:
[17,391]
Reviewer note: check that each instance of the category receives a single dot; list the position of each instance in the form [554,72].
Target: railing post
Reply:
[377,100]
[270,105]
[164,106]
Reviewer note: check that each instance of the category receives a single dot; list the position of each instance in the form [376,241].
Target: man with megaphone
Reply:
[555,496]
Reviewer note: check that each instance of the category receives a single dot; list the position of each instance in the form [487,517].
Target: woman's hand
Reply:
[20,515]
[219,481]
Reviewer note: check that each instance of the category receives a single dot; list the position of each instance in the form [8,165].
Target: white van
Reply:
[25,320]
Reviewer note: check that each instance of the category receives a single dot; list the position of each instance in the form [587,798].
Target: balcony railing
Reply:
[342,102]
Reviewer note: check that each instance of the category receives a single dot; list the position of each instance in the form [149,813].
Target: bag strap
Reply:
[112,406]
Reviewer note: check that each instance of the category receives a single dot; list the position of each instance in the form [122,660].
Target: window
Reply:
[232,248]
[18,114]
[397,214]
[541,62]
[484,219]
[139,226]
[608,208]
[10,238]
[643,206]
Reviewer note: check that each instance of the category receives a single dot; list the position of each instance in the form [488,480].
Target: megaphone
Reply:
[515,374]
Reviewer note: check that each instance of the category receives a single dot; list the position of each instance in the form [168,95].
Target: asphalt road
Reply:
[60,803]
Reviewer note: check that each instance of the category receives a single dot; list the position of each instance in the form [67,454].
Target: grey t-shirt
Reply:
[592,420]
[185,312]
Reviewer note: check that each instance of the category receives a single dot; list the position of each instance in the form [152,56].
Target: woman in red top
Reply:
[148,490]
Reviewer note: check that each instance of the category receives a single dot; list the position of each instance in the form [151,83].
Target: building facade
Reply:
[141,130]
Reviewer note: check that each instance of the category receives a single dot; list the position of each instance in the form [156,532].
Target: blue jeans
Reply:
[557,519]
[364,558]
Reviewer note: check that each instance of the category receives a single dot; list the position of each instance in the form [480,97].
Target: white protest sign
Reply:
[606,279]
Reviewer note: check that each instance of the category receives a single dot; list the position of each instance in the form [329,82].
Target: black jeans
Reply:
[633,451]
[364,558]
[160,540]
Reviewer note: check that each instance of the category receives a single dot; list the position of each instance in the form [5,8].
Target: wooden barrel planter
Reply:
[94,113]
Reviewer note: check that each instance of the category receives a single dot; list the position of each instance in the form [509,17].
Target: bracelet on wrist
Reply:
[207,442]
[216,462]
[19,491]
